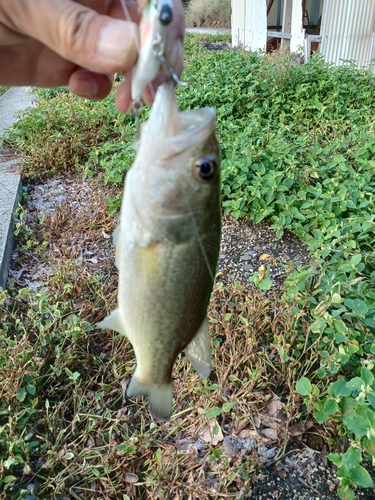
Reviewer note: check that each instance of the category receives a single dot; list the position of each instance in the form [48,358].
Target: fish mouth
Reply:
[172,130]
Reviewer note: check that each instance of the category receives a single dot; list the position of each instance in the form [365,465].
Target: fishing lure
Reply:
[157,15]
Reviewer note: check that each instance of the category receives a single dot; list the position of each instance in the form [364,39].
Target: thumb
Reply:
[77,33]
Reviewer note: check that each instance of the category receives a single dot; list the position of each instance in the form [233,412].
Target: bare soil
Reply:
[62,205]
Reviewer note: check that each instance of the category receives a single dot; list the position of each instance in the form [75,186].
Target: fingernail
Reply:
[84,86]
[117,42]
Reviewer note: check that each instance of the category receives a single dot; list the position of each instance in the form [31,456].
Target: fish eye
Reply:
[206,167]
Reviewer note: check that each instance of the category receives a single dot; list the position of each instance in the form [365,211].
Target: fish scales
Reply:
[167,247]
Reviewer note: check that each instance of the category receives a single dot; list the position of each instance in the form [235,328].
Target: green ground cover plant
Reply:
[3,89]
[298,146]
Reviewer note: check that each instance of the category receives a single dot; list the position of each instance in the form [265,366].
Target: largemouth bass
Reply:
[167,247]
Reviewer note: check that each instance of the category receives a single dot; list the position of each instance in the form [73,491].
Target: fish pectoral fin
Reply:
[198,351]
[159,397]
[113,322]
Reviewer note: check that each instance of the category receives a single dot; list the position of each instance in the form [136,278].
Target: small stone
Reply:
[130,477]
[246,257]
[248,268]
[252,253]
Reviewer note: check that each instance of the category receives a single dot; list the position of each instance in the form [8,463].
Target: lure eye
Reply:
[206,167]
[165,15]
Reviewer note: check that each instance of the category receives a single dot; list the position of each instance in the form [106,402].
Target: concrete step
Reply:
[209,31]
[13,104]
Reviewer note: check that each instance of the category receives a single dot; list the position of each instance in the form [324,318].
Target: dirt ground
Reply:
[304,472]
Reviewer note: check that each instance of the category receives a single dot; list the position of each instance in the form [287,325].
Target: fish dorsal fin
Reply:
[159,397]
[199,351]
[113,322]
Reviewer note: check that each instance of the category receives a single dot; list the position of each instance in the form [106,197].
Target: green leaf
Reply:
[265,284]
[303,386]
[371,399]
[9,462]
[227,406]
[335,459]
[69,455]
[213,412]
[370,414]
[356,259]
[340,326]
[330,407]
[358,425]
[158,455]
[345,493]
[355,384]
[357,305]
[367,375]
[361,477]
[31,389]
[9,479]
[369,445]
[336,298]
[340,389]
[321,373]
[21,394]
[318,326]
[352,458]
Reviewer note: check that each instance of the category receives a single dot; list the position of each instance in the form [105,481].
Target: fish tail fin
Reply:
[199,351]
[159,397]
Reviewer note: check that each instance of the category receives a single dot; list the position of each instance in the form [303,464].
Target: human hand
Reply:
[48,43]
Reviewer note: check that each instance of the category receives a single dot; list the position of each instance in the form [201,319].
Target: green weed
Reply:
[61,133]
[209,11]
[298,148]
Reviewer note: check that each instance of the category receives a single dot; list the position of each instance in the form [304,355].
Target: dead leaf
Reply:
[121,412]
[257,421]
[300,427]
[248,433]
[168,451]
[270,434]
[267,421]
[207,433]
[266,256]
[124,385]
[274,407]
[262,272]
[241,424]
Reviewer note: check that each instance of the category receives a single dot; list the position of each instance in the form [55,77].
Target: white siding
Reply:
[348,31]
[249,24]
[297,31]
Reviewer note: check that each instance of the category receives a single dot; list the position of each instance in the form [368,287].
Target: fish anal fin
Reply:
[198,351]
[159,397]
[113,322]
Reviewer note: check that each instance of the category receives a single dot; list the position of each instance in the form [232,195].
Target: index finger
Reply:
[76,31]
